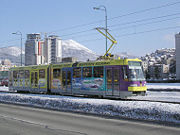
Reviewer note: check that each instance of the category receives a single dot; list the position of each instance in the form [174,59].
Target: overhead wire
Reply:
[128,14]
[134,33]
[120,16]
[126,23]
[147,31]
[126,27]
[141,24]
[146,19]
[148,9]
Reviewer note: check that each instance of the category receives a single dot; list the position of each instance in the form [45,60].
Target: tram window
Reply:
[64,78]
[15,74]
[56,73]
[32,77]
[76,72]
[21,74]
[87,72]
[10,78]
[42,73]
[98,72]
[68,77]
[116,75]
[27,74]
[125,72]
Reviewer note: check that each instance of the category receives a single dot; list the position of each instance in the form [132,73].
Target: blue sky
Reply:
[136,34]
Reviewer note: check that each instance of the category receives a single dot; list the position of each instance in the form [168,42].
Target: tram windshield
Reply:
[135,71]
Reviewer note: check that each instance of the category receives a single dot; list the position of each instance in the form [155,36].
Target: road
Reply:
[21,120]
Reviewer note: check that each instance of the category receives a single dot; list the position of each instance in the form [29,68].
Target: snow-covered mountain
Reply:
[71,48]
[12,53]
[125,55]
[12,50]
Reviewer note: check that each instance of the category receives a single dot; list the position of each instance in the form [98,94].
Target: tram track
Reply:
[146,100]
[169,102]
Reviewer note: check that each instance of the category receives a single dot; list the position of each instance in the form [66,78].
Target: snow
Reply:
[160,96]
[74,45]
[163,92]
[164,86]
[12,50]
[4,89]
[71,48]
[153,111]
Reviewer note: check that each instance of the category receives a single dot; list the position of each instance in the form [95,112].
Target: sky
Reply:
[139,26]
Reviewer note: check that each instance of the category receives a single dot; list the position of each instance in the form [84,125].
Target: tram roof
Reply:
[79,64]
[29,67]
[95,63]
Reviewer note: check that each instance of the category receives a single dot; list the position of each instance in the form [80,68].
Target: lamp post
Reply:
[102,7]
[19,33]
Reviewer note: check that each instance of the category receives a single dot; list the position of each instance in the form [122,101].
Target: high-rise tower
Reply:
[53,49]
[34,50]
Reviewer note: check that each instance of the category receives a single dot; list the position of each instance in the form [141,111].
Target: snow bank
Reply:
[126,109]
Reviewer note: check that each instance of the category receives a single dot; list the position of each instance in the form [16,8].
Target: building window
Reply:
[99,72]
[56,73]
[77,72]
[42,73]
[87,72]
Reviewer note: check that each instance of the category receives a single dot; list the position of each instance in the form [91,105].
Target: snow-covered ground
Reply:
[160,96]
[143,110]
[164,86]
[4,88]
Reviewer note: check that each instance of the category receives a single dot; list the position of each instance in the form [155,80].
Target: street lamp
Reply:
[19,33]
[103,8]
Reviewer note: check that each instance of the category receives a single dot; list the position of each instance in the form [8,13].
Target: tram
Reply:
[109,78]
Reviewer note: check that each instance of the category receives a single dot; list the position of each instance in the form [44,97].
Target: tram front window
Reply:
[135,71]
[136,74]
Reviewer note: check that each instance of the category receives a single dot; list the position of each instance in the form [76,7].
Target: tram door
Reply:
[112,81]
[67,80]
[34,79]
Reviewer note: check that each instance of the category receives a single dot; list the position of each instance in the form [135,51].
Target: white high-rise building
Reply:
[53,49]
[177,42]
[34,50]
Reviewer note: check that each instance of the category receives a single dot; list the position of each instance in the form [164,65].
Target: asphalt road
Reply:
[20,120]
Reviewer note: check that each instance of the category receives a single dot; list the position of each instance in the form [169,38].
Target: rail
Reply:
[170,102]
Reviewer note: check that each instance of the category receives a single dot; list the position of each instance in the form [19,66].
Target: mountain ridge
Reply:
[70,48]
